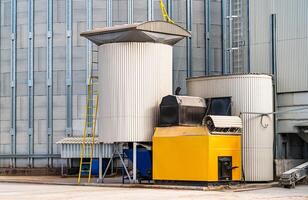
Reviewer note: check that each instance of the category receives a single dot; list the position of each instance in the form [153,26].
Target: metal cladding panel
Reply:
[73,150]
[292,44]
[293,65]
[259,21]
[260,37]
[249,93]
[292,35]
[133,79]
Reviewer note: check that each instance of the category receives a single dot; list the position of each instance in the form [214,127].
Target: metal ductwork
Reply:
[181,110]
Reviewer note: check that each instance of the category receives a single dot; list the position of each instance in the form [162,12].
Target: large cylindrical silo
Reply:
[134,76]
[135,72]
[249,94]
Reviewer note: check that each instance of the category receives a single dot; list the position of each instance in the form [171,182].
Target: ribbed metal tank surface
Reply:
[134,76]
[249,93]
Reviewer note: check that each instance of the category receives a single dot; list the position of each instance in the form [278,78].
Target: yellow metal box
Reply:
[183,153]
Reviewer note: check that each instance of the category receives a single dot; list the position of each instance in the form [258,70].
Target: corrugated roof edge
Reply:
[150,26]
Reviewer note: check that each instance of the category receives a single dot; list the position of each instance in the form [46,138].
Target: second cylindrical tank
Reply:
[249,94]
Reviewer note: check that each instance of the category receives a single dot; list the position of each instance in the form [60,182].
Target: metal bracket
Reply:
[49,34]
[30,35]
[68,82]
[30,131]
[49,131]
[30,82]
[68,131]
[13,36]
[68,34]
[12,84]
[49,82]
[12,132]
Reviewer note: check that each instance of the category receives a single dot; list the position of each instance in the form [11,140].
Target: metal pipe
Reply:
[230,38]
[89,43]
[30,81]
[26,156]
[0,49]
[135,162]
[13,80]
[275,112]
[207,21]
[248,33]
[100,164]
[274,73]
[274,46]
[130,12]
[89,63]
[170,8]
[224,36]
[150,10]
[69,111]
[188,39]
[170,13]
[109,13]
[49,82]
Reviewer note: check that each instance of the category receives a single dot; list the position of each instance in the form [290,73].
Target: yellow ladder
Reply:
[88,138]
[164,12]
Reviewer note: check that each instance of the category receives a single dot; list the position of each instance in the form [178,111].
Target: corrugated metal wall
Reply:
[133,79]
[56,113]
[292,61]
[292,44]
[73,150]
[292,30]
[249,93]
[292,67]
[260,35]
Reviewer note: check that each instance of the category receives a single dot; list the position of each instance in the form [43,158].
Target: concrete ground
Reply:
[10,191]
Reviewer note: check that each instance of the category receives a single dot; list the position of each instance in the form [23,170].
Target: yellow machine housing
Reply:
[183,153]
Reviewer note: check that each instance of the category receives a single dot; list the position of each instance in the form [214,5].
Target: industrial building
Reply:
[46,67]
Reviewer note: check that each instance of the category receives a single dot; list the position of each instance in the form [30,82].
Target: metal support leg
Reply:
[100,167]
[112,166]
[116,152]
[123,163]
[135,162]
[62,170]
[105,172]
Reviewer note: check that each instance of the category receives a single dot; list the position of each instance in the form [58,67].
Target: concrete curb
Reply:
[242,188]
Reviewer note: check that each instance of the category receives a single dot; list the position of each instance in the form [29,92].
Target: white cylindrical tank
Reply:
[249,93]
[133,78]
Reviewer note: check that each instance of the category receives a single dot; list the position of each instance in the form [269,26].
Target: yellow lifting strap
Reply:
[164,12]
